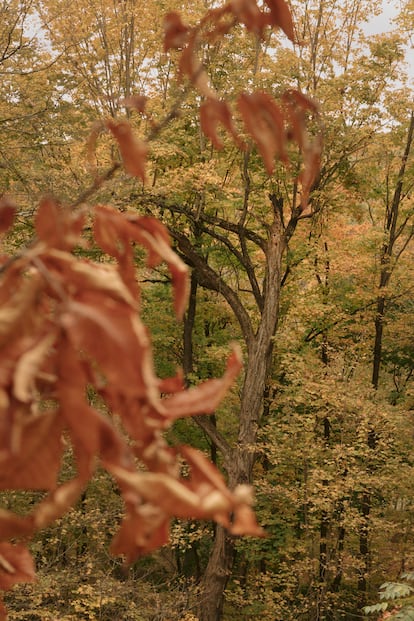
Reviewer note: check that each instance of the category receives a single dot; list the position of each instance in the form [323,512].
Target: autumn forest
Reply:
[206,311]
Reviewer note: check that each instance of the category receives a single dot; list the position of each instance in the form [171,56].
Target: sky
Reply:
[383,23]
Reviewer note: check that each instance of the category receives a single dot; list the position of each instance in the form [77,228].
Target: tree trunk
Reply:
[216,576]
[188,327]
[391,233]
[239,466]
[239,461]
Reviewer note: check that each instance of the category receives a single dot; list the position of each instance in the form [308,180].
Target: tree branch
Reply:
[208,277]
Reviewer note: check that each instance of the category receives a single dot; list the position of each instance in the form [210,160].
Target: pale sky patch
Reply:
[384,23]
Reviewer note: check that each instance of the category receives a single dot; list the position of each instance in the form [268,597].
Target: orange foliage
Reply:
[270,125]
[69,325]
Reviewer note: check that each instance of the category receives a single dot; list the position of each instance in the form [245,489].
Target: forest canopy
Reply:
[205,306]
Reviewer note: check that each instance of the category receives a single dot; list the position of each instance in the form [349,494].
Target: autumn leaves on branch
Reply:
[270,125]
[70,326]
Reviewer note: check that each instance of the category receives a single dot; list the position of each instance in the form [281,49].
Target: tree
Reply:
[70,325]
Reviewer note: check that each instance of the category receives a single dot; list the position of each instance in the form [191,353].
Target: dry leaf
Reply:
[16,565]
[7,213]
[213,112]
[175,32]
[28,366]
[133,150]
[311,170]
[281,16]
[136,102]
[190,66]
[58,502]
[264,121]
[12,525]
[17,310]
[248,13]
[57,227]
[144,529]
[204,398]
[154,236]
[36,463]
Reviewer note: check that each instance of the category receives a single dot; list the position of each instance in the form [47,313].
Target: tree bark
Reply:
[239,460]
[391,233]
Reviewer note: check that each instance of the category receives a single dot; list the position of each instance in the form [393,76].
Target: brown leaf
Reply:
[216,23]
[249,14]
[112,233]
[57,227]
[213,112]
[209,484]
[144,529]
[265,123]
[112,335]
[96,130]
[245,523]
[133,150]
[175,32]
[103,278]
[174,384]
[297,106]
[110,230]
[3,611]
[281,16]
[202,470]
[302,101]
[16,311]
[205,397]
[153,235]
[173,496]
[93,434]
[7,213]
[136,102]
[78,275]
[190,66]
[16,565]
[34,463]
[58,502]
[28,366]
[311,170]
[12,525]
